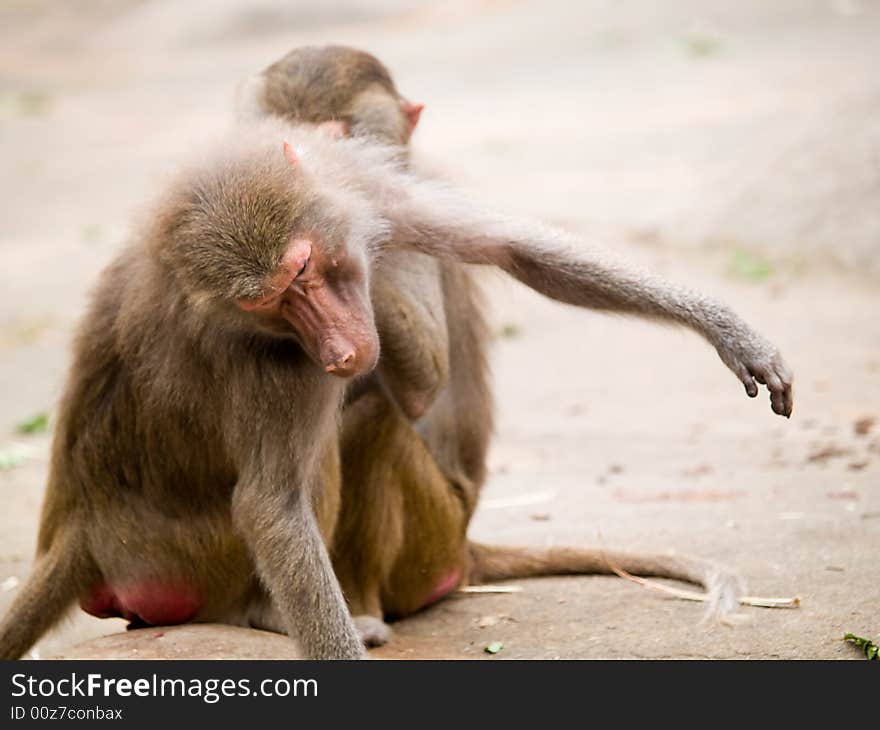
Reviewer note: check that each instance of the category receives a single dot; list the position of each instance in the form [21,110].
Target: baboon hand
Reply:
[754,359]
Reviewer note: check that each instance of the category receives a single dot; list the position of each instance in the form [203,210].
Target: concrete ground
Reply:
[733,147]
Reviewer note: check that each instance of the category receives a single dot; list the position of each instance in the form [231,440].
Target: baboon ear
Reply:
[290,154]
[412,112]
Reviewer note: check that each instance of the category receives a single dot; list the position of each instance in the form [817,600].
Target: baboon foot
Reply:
[373,631]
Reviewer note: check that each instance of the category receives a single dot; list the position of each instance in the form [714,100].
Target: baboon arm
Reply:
[433,220]
[281,532]
[411,320]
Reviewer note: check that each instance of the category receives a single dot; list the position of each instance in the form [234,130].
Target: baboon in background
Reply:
[195,466]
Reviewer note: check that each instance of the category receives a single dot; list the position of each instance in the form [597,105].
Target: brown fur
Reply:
[316,84]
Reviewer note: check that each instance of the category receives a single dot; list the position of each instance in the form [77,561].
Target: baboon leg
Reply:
[400,541]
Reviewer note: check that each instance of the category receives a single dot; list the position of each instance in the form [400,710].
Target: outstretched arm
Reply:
[431,219]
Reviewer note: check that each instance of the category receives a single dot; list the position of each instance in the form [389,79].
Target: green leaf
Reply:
[16,104]
[35,424]
[509,331]
[702,45]
[747,265]
[10,458]
[872,651]
[494,647]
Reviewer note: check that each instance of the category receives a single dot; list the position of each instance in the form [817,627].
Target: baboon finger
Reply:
[749,382]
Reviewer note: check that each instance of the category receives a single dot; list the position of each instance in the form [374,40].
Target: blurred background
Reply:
[731,146]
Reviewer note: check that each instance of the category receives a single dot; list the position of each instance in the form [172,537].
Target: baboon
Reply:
[321,84]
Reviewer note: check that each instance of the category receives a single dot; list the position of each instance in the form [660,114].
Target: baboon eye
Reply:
[302,268]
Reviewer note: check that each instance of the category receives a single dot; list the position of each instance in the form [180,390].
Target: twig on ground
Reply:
[490,589]
[759,601]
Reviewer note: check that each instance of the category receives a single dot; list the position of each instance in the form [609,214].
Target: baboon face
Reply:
[256,239]
[322,296]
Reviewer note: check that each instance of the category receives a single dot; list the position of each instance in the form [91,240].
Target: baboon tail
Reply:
[491,563]
[46,595]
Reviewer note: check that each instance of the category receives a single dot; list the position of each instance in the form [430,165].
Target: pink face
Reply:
[325,299]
